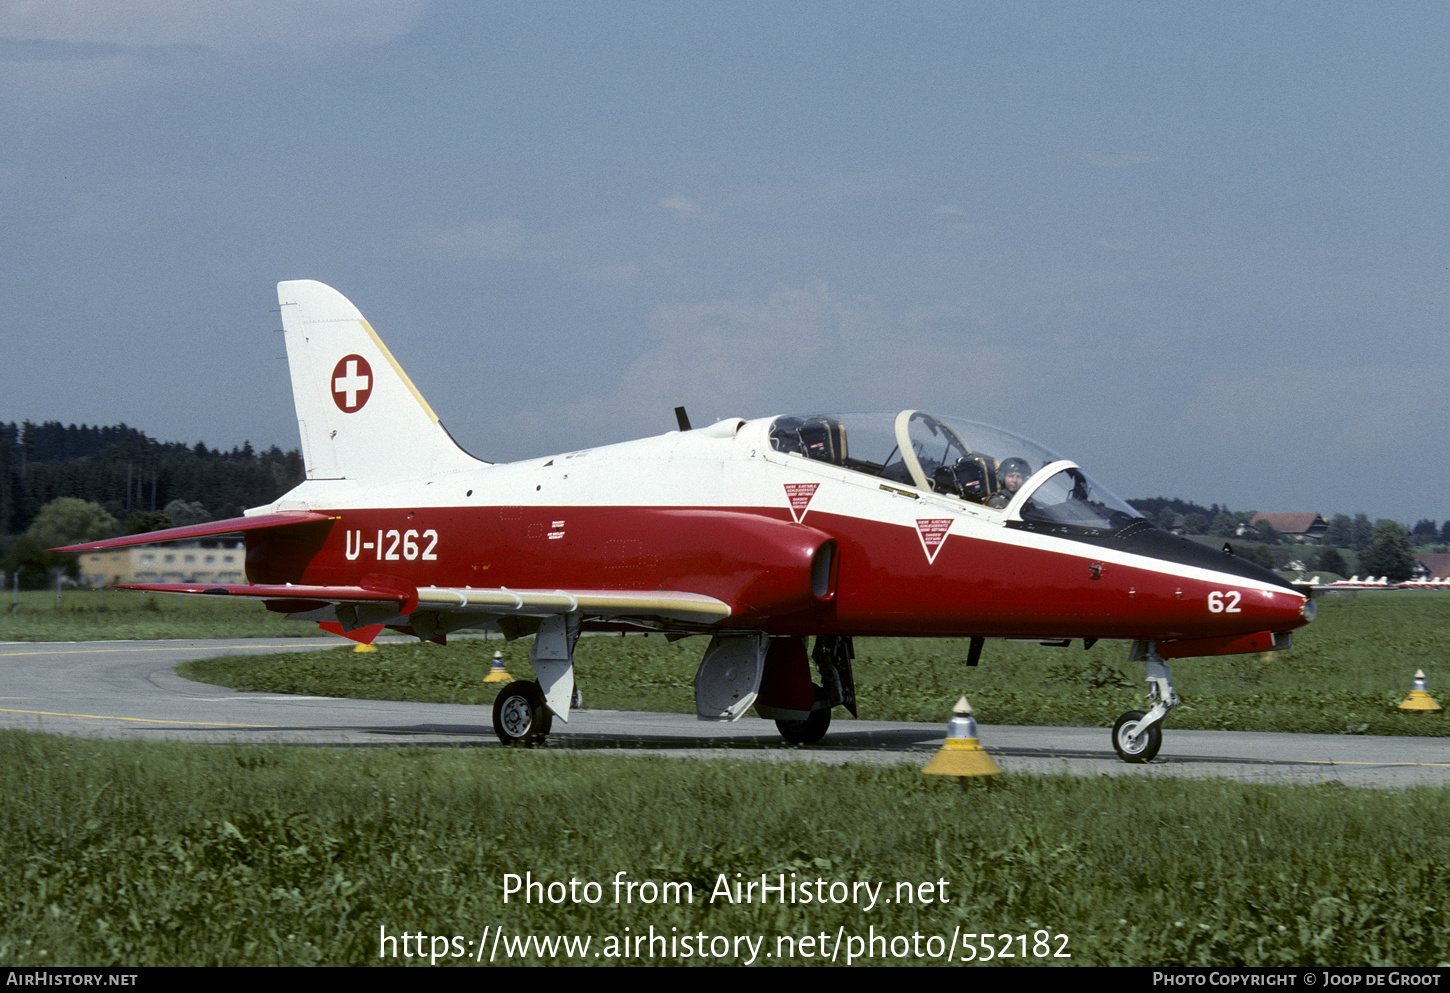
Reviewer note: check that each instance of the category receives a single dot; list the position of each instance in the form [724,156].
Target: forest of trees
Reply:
[1349,544]
[1355,532]
[128,473]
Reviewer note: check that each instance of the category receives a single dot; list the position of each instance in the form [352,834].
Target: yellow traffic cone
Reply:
[497,673]
[960,755]
[1419,698]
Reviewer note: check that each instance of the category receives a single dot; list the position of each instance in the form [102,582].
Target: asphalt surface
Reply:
[129,689]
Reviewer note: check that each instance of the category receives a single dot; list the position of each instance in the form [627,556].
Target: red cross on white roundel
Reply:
[352,382]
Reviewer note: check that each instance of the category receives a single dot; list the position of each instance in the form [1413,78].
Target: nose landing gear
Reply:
[1137,736]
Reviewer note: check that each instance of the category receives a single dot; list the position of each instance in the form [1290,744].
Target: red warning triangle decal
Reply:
[933,534]
[799,495]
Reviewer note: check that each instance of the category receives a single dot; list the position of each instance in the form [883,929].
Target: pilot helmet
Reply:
[1014,465]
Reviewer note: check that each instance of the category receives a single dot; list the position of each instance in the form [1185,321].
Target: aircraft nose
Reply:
[1309,610]
[1279,610]
[1284,610]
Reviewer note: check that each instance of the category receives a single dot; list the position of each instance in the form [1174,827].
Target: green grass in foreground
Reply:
[134,854]
[1346,674]
[108,615]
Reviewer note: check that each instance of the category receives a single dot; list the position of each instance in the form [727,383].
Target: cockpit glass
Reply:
[1070,497]
[973,462]
[824,437]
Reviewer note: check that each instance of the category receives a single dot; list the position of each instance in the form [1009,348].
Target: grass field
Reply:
[133,853]
[109,615]
[1345,675]
[165,854]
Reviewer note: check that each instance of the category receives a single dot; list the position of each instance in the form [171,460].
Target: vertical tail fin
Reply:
[360,416]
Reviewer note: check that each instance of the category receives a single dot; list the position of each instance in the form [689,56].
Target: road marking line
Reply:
[158,648]
[139,720]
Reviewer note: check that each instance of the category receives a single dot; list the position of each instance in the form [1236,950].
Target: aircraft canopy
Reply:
[972,462]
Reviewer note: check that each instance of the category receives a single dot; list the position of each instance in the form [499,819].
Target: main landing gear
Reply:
[524,712]
[520,715]
[832,655]
[813,728]
[1137,736]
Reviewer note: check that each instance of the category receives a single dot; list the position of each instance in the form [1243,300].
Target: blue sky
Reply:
[1200,248]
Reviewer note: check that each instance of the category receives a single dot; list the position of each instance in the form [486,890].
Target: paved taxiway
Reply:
[128,689]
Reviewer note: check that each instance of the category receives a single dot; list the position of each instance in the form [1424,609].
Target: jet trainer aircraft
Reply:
[762,534]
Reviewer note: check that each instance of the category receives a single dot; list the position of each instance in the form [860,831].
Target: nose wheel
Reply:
[1138,736]
[1134,739]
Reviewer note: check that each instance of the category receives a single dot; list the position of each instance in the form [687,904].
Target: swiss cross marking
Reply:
[352,383]
[799,495]
[933,534]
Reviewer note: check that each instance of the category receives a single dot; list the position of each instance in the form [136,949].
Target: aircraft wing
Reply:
[233,525]
[502,601]
[431,611]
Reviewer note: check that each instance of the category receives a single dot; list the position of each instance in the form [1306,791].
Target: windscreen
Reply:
[1070,497]
[974,462]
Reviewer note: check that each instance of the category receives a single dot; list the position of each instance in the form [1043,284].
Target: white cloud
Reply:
[483,241]
[796,349]
[56,55]
[92,217]
[1333,440]
[588,250]
[1121,160]
[41,87]
[681,203]
[812,189]
[222,25]
[1357,412]
[610,272]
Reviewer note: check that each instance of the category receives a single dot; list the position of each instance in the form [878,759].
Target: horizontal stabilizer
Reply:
[233,525]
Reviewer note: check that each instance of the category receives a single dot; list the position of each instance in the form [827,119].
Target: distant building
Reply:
[1436,565]
[1308,527]
[209,561]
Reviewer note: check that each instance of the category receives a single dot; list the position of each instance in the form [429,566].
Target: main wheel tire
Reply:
[520,716]
[1139,748]
[808,731]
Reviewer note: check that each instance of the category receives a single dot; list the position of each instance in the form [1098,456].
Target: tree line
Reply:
[129,474]
[1378,548]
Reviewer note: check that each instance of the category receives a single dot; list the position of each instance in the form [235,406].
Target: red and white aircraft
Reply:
[761,534]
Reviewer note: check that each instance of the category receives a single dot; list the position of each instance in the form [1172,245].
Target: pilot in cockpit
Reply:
[1011,474]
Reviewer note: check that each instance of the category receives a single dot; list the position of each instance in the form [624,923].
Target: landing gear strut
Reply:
[1137,736]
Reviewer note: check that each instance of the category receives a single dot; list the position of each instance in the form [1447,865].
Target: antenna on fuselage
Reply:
[682,418]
